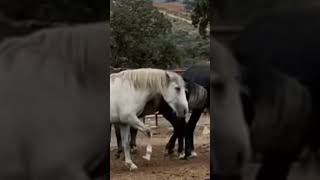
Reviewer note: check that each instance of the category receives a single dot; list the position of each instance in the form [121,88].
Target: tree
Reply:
[199,15]
[139,35]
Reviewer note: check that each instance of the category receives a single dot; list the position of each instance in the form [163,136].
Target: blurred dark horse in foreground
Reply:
[54,103]
[280,55]
[230,141]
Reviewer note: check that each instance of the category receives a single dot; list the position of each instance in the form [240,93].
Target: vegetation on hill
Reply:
[143,37]
[140,36]
[194,48]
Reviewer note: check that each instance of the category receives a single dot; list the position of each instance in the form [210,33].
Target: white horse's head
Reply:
[175,94]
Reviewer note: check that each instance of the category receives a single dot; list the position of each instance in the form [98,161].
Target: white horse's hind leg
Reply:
[193,154]
[125,130]
[136,123]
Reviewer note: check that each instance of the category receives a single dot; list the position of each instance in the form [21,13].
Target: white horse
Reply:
[130,90]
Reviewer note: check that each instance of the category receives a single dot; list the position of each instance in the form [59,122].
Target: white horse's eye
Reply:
[178,89]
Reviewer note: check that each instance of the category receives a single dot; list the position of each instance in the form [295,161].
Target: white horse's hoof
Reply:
[132,166]
[147,157]
[181,156]
[193,154]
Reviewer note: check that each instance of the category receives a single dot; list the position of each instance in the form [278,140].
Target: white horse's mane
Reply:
[149,78]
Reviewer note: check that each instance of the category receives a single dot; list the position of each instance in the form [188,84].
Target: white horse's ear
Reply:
[168,75]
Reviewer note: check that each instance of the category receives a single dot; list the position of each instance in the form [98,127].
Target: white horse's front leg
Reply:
[125,130]
[136,123]
[148,151]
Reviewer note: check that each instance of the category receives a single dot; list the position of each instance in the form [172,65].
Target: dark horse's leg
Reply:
[178,132]
[189,130]
[133,145]
[178,128]
[172,141]
[118,136]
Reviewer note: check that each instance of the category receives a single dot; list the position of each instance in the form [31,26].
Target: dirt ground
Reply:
[162,167]
[173,6]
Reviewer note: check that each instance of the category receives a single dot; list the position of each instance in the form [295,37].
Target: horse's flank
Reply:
[149,78]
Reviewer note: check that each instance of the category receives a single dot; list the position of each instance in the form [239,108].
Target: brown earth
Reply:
[173,6]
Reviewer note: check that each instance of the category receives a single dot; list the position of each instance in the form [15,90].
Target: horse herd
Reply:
[262,88]
[158,90]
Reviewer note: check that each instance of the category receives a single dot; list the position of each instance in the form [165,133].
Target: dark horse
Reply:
[199,74]
[280,55]
[54,103]
[197,98]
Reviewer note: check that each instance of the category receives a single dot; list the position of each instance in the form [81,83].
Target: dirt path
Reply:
[172,9]
[162,167]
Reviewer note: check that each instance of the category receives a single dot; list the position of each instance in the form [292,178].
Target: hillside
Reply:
[175,8]
[195,49]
